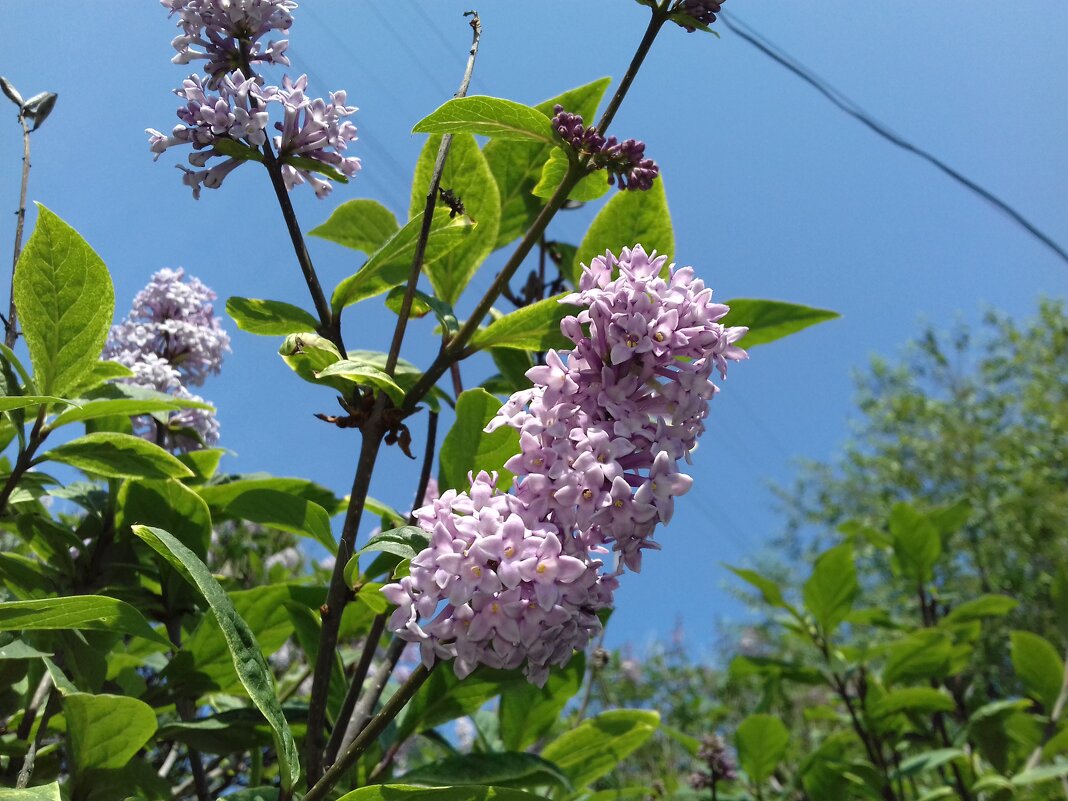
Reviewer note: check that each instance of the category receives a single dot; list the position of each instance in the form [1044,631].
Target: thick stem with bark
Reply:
[378,625]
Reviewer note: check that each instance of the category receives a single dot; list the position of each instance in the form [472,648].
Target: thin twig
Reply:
[428,464]
[35,745]
[428,208]
[369,700]
[369,734]
[11,324]
[38,698]
[374,429]
[359,674]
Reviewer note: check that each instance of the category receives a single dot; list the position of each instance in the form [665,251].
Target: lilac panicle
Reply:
[226,33]
[497,586]
[604,427]
[172,339]
[510,579]
[237,113]
[625,161]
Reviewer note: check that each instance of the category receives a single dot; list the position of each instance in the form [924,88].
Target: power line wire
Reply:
[852,109]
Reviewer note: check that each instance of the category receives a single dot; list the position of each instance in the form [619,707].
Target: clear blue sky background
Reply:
[774,193]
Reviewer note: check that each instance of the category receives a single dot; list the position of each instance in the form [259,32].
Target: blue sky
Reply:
[774,193]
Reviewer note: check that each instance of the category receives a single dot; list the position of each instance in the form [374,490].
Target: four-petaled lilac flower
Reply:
[227,32]
[172,339]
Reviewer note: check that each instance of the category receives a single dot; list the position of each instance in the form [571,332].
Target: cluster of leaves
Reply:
[159,625]
[922,656]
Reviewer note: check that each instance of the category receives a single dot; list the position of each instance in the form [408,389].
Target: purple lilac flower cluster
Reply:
[171,340]
[704,11]
[498,586]
[226,115]
[509,578]
[228,32]
[625,161]
[604,427]
[718,764]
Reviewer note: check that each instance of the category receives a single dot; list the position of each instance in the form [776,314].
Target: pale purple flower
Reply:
[604,427]
[172,339]
[230,123]
[497,586]
[226,33]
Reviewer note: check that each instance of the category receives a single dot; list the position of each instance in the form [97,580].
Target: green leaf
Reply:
[528,712]
[769,320]
[929,760]
[830,591]
[251,667]
[502,769]
[422,305]
[309,354]
[219,496]
[629,219]
[769,590]
[361,224]
[405,792]
[169,505]
[405,542]
[761,741]
[535,327]
[43,792]
[1044,773]
[468,176]
[920,656]
[468,448]
[269,317]
[912,699]
[443,697]
[220,733]
[112,455]
[106,731]
[917,544]
[1038,666]
[364,374]
[65,301]
[517,165]
[1059,596]
[590,186]
[390,265]
[488,116]
[254,794]
[984,606]
[597,745]
[270,507]
[17,649]
[86,612]
[9,402]
[406,374]
[126,407]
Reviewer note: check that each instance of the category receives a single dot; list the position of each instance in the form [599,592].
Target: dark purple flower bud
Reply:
[715,754]
[571,128]
[703,11]
[626,163]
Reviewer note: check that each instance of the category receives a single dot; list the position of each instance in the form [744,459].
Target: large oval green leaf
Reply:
[494,117]
[91,612]
[761,742]
[1038,666]
[106,731]
[769,320]
[467,448]
[468,176]
[527,712]
[251,667]
[594,747]
[269,317]
[360,224]
[629,219]
[508,769]
[112,455]
[535,327]
[65,302]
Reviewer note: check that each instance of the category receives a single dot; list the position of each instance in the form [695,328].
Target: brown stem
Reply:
[338,594]
[31,753]
[660,16]
[428,464]
[186,709]
[370,732]
[12,333]
[25,458]
[369,701]
[359,674]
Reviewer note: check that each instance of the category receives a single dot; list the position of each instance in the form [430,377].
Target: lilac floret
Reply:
[226,33]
